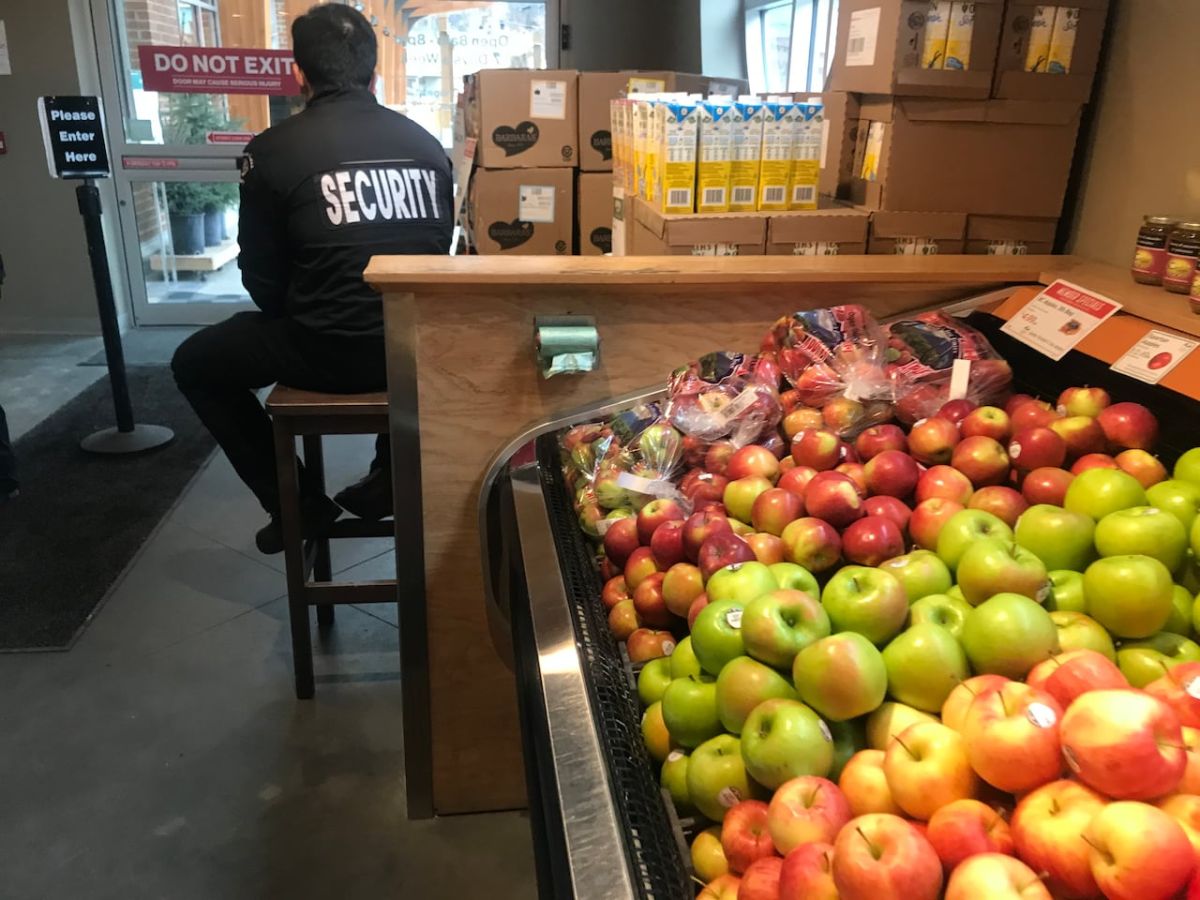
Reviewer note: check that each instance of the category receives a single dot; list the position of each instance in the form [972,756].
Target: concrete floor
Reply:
[165,754]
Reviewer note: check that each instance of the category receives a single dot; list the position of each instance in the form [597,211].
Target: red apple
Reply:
[698,604]
[1047,828]
[694,449]
[959,700]
[1093,461]
[871,540]
[932,441]
[892,473]
[1035,414]
[773,509]
[995,876]
[761,881]
[812,543]
[843,415]
[1129,426]
[918,402]
[1016,400]
[1012,737]
[645,644]
[615,591]
[699,527]
[816,448]
[927,520]
[621,540]
[745,836]
[649,603]
[667,543]
[965,828]
[808,874]
[699,485]
[956,410]
[1036,448]
[796,480]
[943,482]
[777,447]
[1185,810]
[801,418]
[1004,503]
[1046,485]
[1083,401]
[786,464]
[1074,673]
[1191,775]
[682,583]
[1138,851]
[1142,466]
[752,460]
[1080,434]
[857,473]
[889,508]
[833,497]
[623,620]
[640,566]
[655,513]
[987,421]
[1179,688]
[805,810]
[608,570]
[981,459]
[878,438]
[883,857]
[768,549]
[718,456]
[721,550]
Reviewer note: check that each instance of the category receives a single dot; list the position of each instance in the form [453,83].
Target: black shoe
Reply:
[369,498]
[316,514]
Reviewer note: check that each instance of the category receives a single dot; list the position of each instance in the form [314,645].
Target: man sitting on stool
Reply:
[322,192]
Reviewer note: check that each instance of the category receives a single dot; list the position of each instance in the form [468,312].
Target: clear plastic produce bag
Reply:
[725,395]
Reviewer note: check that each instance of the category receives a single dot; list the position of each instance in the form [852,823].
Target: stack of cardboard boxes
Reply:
[543,180]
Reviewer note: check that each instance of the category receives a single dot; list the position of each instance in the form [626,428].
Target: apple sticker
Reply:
[1042,716]
[825,732]
[729,797]
[733,618]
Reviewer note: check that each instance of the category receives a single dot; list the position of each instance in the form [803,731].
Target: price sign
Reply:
[73,132]
[1156,354]
[1059,317]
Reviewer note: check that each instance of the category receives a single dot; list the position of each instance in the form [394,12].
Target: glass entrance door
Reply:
[187,83]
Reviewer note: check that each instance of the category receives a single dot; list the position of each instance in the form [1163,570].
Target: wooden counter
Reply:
[461,366]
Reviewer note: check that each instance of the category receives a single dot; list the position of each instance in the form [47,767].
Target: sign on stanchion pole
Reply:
[73,132]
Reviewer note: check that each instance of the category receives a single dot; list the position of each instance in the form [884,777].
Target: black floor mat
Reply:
[80,518]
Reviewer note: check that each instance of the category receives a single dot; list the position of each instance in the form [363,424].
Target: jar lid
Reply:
[1188,226]
[1160,220]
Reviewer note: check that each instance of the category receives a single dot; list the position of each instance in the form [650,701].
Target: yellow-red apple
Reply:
[1011,734]
[865,786]
[1139,852]
[954,710]
[805,810]
[994,876]
[926,767]
[883,857]
[965,828]
[1047,829]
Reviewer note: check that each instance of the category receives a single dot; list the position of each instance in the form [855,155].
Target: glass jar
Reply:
[1150,255]
[1183,252]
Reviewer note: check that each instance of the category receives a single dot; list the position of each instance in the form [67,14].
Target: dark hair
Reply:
[335,47]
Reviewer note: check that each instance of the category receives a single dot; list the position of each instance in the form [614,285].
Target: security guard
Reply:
[322,192]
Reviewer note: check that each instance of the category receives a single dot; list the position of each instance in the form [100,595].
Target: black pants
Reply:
[8,462]
[220,367]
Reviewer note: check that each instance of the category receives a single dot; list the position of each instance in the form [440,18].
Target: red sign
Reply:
[217,70]
[229,137]
[148,162]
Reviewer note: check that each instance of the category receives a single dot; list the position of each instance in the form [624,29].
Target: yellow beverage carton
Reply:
[642,148]
[873,151]
[937,27]
[615,117]
[715,163]
[627,130]
[775,173]
[958,39]
[746,132]
[679,129]
[1041,27]
[806,155]
[1062,40]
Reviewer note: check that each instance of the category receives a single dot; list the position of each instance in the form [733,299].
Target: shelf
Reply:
[213,259]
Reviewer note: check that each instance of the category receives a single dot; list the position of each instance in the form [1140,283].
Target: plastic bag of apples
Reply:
[724,395]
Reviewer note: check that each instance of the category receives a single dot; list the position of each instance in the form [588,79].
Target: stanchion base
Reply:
[142,438]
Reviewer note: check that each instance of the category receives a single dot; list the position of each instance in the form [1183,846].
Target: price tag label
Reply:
[1151,358]
[548,100]
[536,203]
[1059,317]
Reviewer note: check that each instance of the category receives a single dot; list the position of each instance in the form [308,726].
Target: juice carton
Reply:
[958,40]
[642,158]
[1041,26]
[678,124]
[1062,40]
[806,156]
[715,163]
[775,173]
[746,131]
[937,27]
[872,152]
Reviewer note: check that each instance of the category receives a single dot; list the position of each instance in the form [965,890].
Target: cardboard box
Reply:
[1013,81]
[522,211]
[998,157]
[524,118]
[720,234]
[1009,235]
[836,231]
[595,213]
[881,45]
[838,142]
[916,233]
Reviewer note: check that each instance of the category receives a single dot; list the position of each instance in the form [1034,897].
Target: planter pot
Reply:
[214,227]
[187,233]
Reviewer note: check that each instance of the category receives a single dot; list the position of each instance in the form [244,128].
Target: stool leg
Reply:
[293,553]
[314,464]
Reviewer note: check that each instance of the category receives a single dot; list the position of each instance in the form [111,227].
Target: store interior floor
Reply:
[165,754]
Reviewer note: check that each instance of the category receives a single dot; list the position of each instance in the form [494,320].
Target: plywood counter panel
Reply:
[469,327]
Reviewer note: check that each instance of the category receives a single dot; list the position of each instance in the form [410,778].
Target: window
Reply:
[789,44]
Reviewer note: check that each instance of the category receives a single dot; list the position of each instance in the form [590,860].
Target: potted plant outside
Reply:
[220,197]
[185,204]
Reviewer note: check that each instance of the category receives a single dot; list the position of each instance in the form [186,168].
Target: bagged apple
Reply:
[725,395]
[921,352]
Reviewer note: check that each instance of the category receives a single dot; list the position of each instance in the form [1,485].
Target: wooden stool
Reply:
[309,415]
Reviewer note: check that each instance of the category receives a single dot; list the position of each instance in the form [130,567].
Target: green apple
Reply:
[868,601]
[742,685]
[653,680]
[717,635]
[683,660]
[792,577]
[841,676]
[955,593]
[889,720]
[941,610]
[1180,498]
[1195,538]
[924,664]
[1189,574]
[966,527]
[1060,538]
[1066,592]
[1143,529]
[848,738]
[717,779]
[1145,661]
[784,739]
[740,495]
[689,708]
[1131,596]
[1180,621]
[778,625]
[995,567]
[741,582]
[920,573]
[1098,492]
[1008,635]
[674,779]
[1078,631]
[1187,467]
